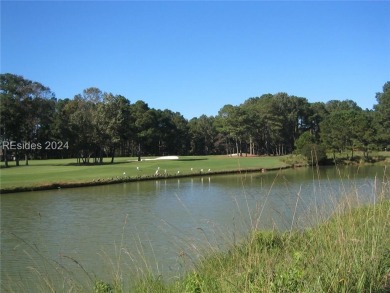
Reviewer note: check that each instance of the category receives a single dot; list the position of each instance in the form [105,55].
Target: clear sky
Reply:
[194,57]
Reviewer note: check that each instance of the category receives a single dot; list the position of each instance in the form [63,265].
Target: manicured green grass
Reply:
[46,172]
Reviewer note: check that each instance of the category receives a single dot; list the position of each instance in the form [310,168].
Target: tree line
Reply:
[95,124]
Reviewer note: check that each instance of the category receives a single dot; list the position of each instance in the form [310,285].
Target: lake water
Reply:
[71,237]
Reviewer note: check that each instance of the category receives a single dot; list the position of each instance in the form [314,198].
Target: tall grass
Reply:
[348,252]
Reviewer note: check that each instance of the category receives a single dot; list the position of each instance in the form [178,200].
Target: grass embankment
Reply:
[358,158]
[49,174]
[349,253]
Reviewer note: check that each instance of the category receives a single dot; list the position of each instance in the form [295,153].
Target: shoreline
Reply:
[128,179]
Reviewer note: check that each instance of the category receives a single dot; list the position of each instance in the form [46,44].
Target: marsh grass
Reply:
[345,250]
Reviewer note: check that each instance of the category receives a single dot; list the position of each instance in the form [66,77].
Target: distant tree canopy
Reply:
[96,124]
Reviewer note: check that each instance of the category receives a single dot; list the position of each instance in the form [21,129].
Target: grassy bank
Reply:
[50,174]
[348,253]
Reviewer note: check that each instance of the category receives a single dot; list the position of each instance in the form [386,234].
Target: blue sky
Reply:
[194,57]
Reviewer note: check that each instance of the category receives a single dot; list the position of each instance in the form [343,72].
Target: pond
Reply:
[70,237]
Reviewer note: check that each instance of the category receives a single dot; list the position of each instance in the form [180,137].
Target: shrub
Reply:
[314,153]
[303,140]
[103,287]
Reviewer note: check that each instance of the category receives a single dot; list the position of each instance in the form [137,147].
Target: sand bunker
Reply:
[165,158]
[160,158]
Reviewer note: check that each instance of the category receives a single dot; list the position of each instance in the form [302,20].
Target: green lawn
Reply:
[47,172]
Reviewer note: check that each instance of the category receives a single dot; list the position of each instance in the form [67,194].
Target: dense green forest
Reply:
[95,124]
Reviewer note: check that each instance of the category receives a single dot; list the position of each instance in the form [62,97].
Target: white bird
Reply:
[201,170]
[124,173]
[137,168]
[209,170]
[156,172]
[192,169]
[178,172]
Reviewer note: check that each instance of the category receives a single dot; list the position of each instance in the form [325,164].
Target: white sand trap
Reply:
[167,158]
[159,158]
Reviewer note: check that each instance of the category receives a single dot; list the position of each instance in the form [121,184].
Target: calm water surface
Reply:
[79,235]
